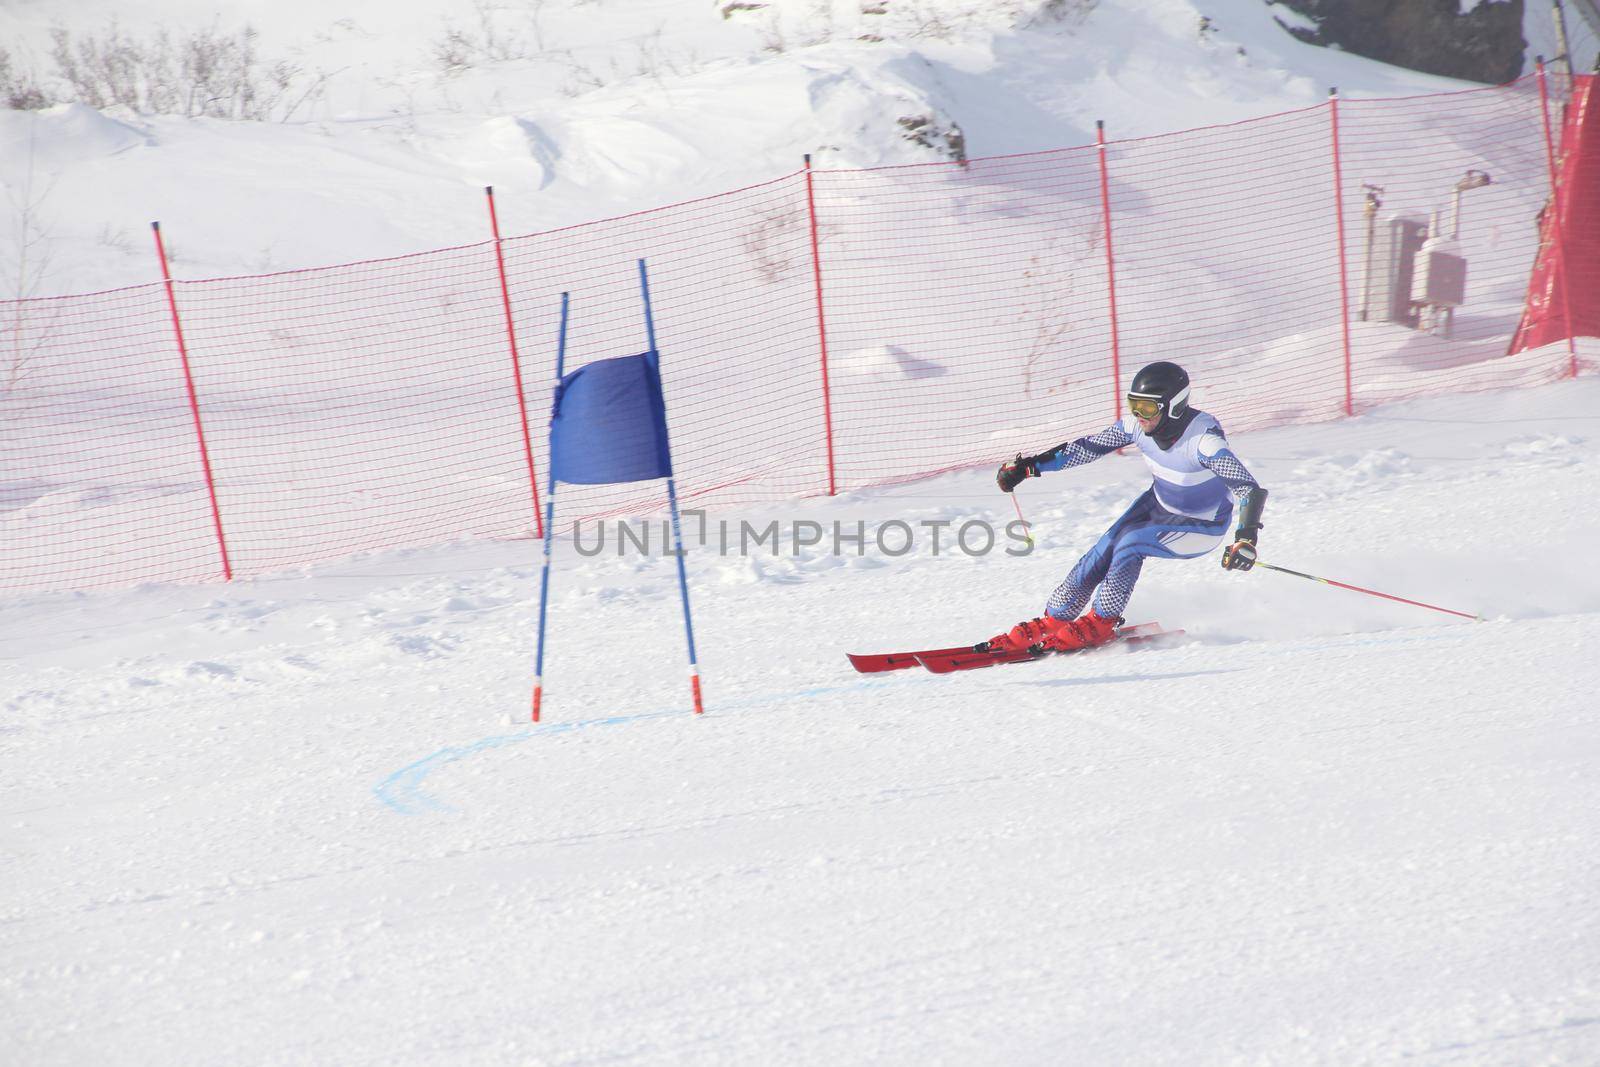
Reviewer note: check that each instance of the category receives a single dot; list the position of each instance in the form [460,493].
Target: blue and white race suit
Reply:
[1183,514]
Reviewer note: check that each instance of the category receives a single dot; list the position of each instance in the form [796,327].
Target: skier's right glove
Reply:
[1241,555]
[1013,472]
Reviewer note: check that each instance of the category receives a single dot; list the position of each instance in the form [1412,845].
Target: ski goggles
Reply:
[1144,407]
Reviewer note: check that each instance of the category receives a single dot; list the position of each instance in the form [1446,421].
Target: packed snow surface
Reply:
[305,819]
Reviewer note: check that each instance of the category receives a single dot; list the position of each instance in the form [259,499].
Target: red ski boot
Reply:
[1085,632]
[1025,635]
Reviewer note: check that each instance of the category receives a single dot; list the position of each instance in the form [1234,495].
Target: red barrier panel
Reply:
[1564,292]
[968,315]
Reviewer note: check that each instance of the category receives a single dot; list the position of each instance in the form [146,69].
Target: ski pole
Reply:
[1027,530]
[1370,592]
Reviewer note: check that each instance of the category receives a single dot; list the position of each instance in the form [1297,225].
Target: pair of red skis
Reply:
[964,658]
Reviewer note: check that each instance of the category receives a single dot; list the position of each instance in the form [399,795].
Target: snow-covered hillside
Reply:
[585,109]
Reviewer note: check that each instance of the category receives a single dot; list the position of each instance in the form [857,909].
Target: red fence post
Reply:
[194,404]
[516,362]
[1556,225]
[1344,270]
[822,327]
[1111,269]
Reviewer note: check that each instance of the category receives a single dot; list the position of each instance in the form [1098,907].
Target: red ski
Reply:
[941,663]
[872,663]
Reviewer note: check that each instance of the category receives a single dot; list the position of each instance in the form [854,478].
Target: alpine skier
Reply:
[1183,515]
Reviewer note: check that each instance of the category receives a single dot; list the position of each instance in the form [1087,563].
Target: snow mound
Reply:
[59,137]
[890,360]
[497,151]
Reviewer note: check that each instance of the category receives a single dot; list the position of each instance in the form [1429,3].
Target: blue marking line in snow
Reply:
[402,790]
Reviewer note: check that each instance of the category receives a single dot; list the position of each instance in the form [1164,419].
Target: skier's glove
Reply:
[1239,556]
[1013,472]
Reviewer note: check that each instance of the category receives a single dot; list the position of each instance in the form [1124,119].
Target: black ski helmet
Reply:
[1164,382]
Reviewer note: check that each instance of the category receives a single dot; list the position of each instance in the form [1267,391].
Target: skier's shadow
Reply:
[1107,679]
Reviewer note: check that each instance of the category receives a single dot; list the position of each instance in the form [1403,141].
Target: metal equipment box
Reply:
[1441,274]
[1391,262]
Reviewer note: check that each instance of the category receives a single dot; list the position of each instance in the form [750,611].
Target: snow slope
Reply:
[303,820]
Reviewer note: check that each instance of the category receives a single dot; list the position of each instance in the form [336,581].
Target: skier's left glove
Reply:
[1013,472]
[1239,556]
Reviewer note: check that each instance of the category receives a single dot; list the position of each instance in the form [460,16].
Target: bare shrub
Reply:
[1064,12]
[454,51]
[653,58]
[494,37]
[932,23]
[20,90]
[822,21]
[581,78]
[772,35]
[947,139]
[768,239]
[202,73]
[1046,293]
[25,328]
[783,29]
[116,239]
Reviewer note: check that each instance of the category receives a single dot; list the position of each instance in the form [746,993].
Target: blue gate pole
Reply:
[549,522]
[672,502]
